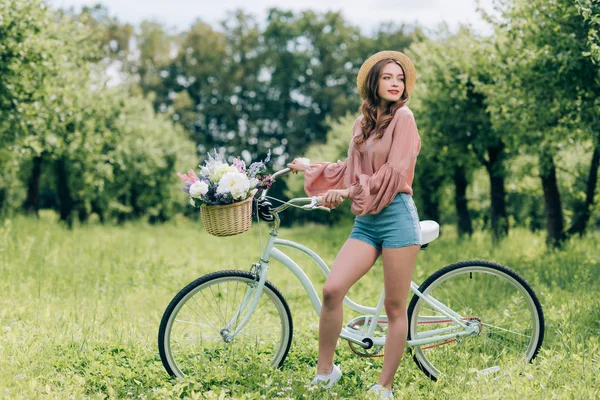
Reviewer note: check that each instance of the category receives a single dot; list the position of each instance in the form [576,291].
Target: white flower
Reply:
[205,171]
[198,189]
[253,182]
[220,170]
[235,183]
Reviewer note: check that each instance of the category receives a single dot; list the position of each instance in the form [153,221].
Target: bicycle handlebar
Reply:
[273,178]
[314,200]
[280,172]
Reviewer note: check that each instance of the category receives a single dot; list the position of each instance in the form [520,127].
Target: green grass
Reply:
[80,310]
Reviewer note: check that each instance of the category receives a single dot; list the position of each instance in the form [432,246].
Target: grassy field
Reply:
[80,310]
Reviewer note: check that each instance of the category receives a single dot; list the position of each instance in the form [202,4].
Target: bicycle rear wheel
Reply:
[489,296]
[194,335]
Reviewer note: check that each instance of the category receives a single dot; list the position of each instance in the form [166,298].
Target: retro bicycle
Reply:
[472,316]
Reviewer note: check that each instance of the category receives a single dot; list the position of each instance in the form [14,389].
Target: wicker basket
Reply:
[227,220]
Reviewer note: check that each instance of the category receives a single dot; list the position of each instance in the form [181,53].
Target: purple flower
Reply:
[239,164]
[258,166]
[264,181]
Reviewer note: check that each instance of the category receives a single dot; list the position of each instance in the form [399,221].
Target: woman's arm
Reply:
[320,177]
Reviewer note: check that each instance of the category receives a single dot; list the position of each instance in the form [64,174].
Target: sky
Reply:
[178,15]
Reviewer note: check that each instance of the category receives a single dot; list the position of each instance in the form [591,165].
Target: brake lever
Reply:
[313,205]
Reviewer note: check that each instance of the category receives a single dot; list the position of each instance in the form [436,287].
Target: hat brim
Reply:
[410,73]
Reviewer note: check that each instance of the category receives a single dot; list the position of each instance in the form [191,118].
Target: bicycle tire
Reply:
[191,358]
[490,336]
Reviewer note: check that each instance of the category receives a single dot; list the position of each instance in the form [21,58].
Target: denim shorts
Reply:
[397,225]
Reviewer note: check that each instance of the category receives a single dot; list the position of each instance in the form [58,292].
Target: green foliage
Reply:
[109,152]
[249,86]
[590,11]
[546,89]
[44,61]
[455,105]
[449,100]
[80,311]
[130,172]
[545,93]
[249,89]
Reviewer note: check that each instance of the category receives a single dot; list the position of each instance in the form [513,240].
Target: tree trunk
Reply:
[2,199]
[460,201]
[431,205]
[82,212]
[583,216]
[429,182]
[554,215]
[135,210]
[495,169]
[96,208]
[65,201]
[32,202]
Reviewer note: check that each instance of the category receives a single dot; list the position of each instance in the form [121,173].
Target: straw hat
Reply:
[410,73]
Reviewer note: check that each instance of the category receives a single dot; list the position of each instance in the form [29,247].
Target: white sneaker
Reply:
[380,392]
[327,381]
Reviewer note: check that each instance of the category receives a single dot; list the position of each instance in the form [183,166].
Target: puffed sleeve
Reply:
[323,176]
[320,177]
[371,194]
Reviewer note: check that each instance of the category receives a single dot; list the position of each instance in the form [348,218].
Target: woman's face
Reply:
[391,83]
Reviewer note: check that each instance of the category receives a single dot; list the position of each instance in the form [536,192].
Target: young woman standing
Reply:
[377,177]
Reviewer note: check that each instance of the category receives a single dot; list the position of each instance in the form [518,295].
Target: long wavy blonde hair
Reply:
[371,103]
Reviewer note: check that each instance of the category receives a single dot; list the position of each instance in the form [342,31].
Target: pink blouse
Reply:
[375,171]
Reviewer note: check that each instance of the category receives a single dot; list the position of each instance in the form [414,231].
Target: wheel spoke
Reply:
[513,314]
[218,308]
[504,330]
[510,319]
[204,312]
[192,323]
[196,341]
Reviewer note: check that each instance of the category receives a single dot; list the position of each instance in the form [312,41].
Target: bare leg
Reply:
[354,259]
[398,266]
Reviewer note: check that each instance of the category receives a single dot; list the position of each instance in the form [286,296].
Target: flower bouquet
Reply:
[224,193]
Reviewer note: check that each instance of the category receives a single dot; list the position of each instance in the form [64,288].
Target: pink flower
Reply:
[190,177]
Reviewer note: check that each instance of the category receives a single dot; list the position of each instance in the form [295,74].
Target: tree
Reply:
[44,56]
[248,90]
[452,110]
[546,92]
[93,149]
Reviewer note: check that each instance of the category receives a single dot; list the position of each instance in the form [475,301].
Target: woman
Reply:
[377,178]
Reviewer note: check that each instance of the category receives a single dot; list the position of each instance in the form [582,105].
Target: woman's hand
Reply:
[333,198]
[299,164]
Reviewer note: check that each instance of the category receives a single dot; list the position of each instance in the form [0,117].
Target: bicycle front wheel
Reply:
[196,336]
[493,299]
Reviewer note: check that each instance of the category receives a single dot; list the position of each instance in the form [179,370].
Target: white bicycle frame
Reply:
[366,340]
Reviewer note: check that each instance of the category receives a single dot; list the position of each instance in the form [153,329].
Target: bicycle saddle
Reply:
[430,230]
